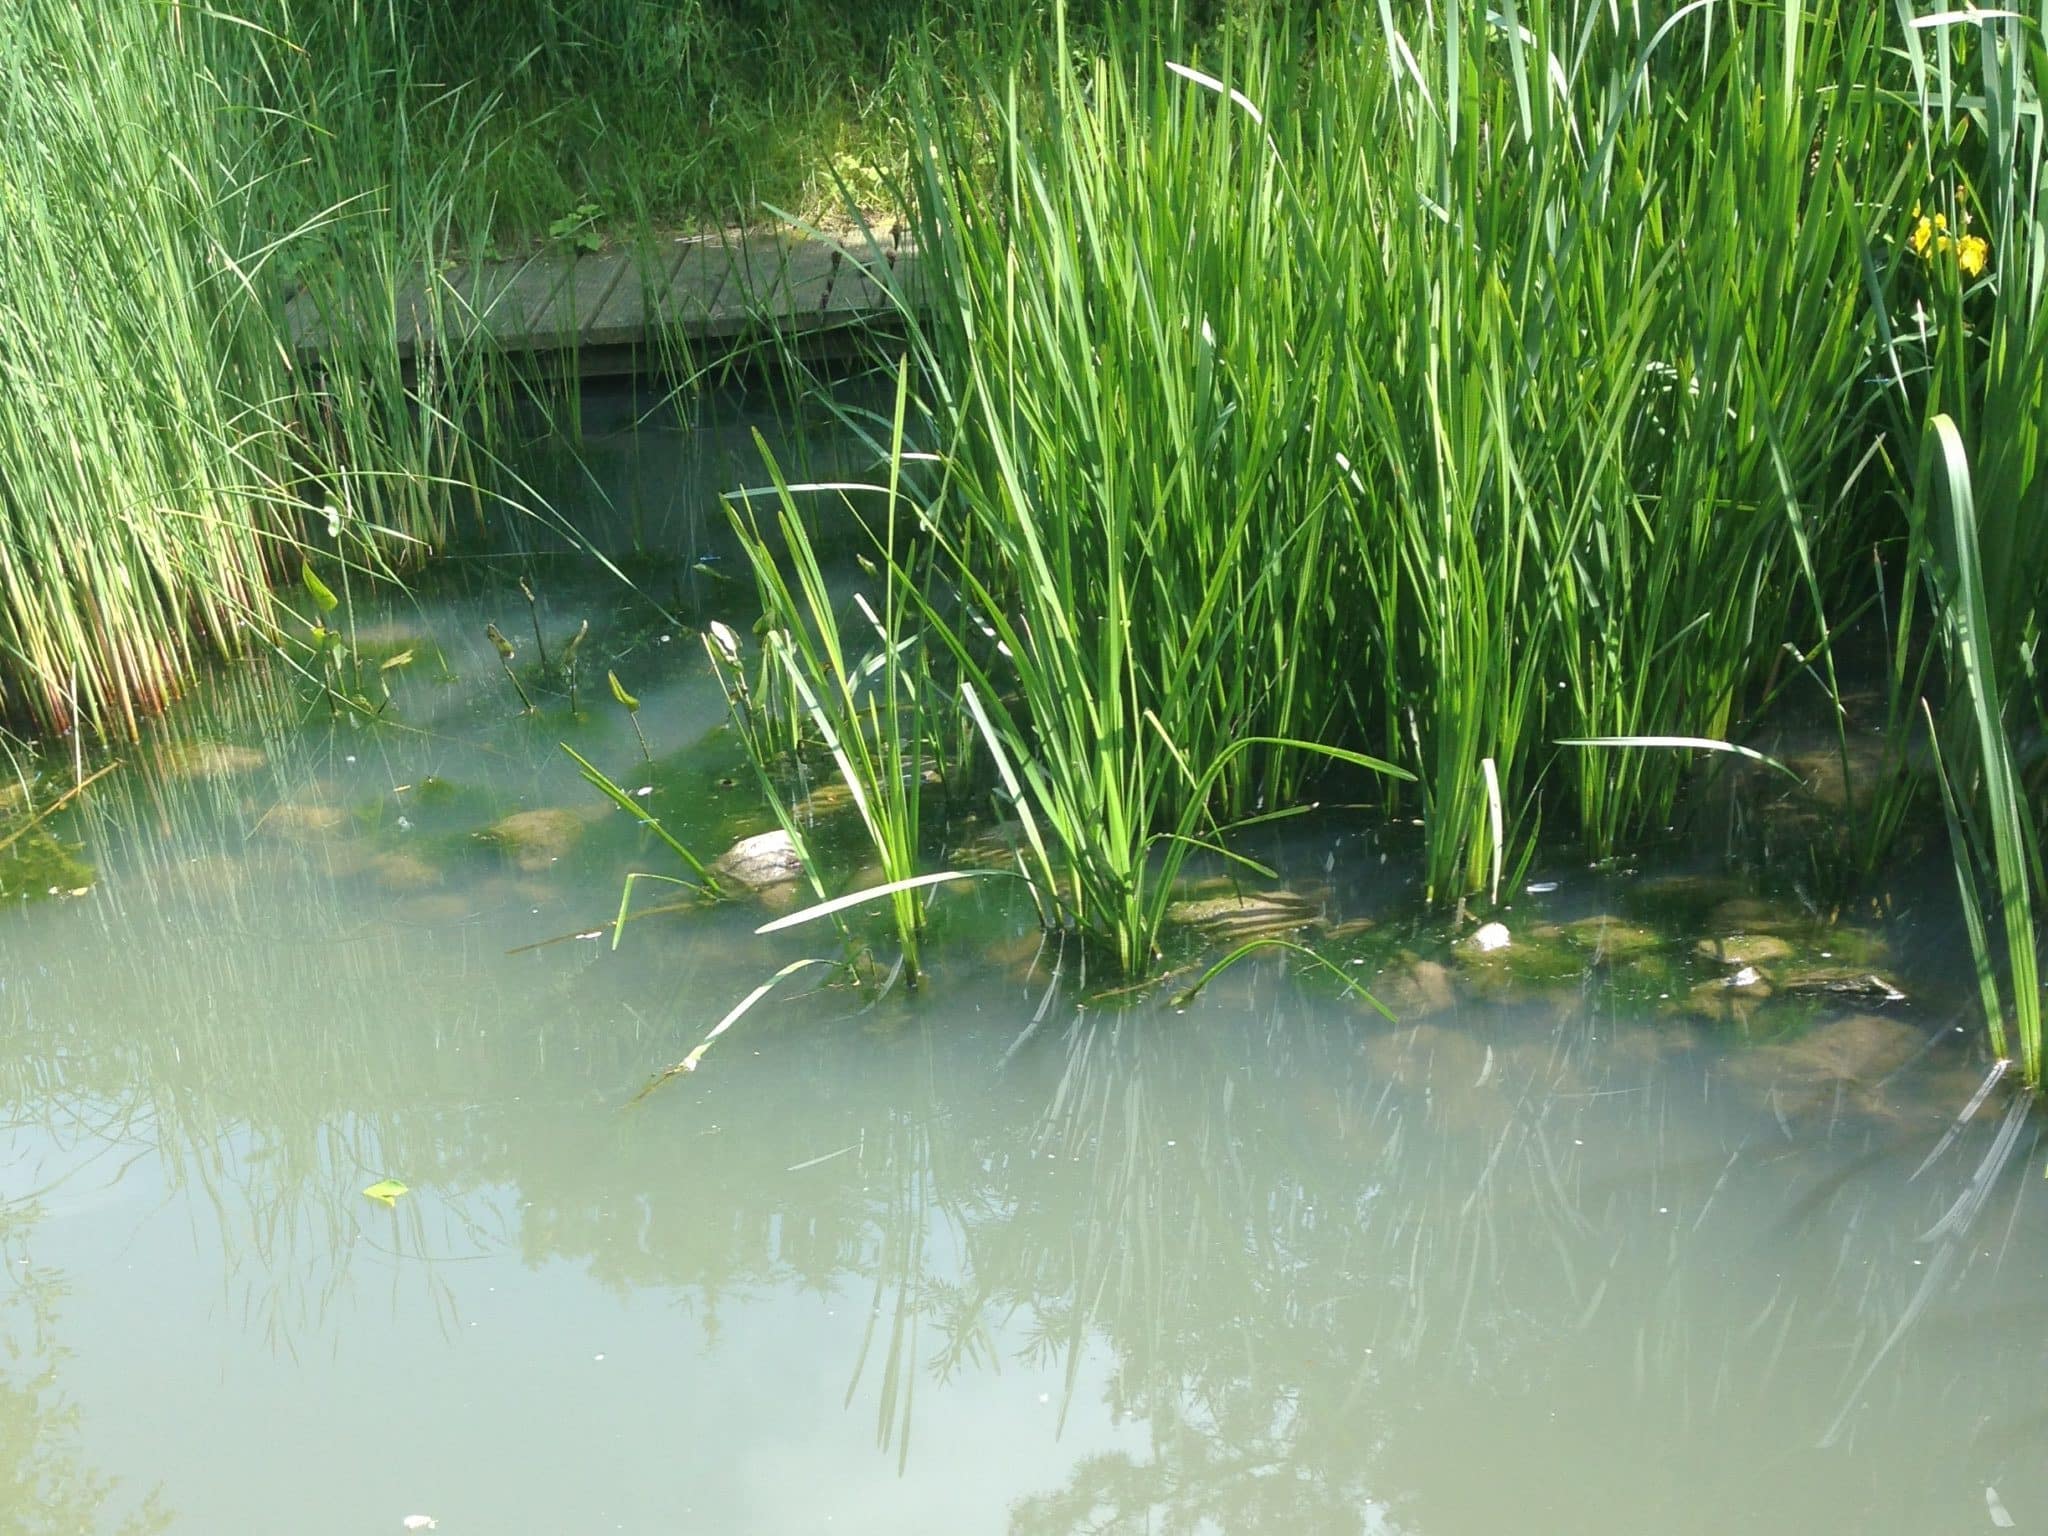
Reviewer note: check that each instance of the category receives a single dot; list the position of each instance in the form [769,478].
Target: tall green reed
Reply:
[1606,332]
[139,489]
[166,446]
[1141,566]
[1447,385]
[1992,838]
[863,708]
[1967,353]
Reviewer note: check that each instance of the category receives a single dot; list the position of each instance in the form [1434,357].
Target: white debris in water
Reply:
[1491,936]
[1748,976]
[1540,887]
[421,1523]
[1995,1506]
[643,791]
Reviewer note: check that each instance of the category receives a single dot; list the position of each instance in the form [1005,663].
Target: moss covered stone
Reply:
[534,840]
[38,865]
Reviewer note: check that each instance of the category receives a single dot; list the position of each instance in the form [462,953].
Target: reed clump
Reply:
[1489,398]
[165,452]
[138,489]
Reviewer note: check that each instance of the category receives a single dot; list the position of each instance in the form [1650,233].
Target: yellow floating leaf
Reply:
[387,1190]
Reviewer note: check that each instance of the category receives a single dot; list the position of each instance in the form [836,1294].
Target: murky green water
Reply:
[1007,1257]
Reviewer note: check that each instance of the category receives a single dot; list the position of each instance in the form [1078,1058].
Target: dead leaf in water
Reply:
[388,1191]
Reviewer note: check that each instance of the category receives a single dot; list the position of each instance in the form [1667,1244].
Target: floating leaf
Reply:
[318,589]
[387,1190]
[402,659]
[619,692]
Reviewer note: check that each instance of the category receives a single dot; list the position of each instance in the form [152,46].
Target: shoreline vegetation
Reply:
[1493,421]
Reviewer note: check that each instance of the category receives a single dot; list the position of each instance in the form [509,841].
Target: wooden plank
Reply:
[532,303]
[575,297]
[710,288]
[695,287]
[865,285]
[621,320]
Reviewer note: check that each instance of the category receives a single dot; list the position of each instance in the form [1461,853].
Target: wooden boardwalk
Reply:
[614,312]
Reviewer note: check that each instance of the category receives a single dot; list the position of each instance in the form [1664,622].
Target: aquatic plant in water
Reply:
[864,710]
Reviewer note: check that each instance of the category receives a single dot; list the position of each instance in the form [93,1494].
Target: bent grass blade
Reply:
[595,776]
[1253,946]
[739,1011]
[839,904]
[1684,743]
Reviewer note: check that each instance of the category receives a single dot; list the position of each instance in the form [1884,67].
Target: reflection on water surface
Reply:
[1567,1259]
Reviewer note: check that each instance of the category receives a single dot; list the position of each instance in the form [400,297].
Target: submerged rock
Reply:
[1841,970]
[1755,915]
[1740,949]
[994,847]
[1683,892]
[1415,989]
[1857,1048]
[533,840]
[206,759]
[293,820]
[759,863]
[1247,914]
[1730,998]
[1458,1077]
[1611,939]
[400,871]
[1835,785]
[826,799]
[38,865]
[1847,983]
[1853,1055]
[1518,968]
[436,909]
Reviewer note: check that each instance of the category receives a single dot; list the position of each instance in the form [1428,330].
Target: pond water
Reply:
[1012,1255]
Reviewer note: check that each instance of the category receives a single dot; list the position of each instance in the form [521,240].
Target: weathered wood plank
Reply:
[700,288]
[694,287]
[621,320]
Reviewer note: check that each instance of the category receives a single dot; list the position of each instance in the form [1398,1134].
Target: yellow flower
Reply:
[1931,238]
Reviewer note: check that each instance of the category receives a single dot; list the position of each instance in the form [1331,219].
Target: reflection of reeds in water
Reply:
[243,1001]
[1306,1243]
[45,1486]
[1308,1250]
